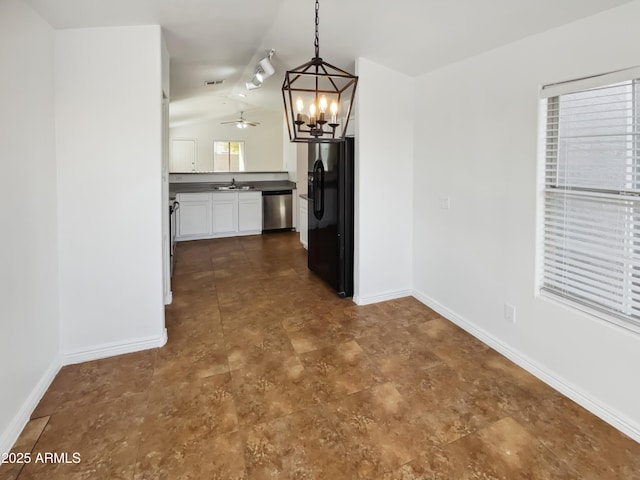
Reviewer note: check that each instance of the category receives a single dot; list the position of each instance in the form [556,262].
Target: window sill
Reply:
[576,307]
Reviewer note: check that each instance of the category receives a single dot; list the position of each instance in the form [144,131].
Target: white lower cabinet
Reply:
[194,215]
[218,214]
[250,212]
[303,222]
[225,212]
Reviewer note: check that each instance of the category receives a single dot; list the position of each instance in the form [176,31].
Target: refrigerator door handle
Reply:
[321,189]
[316,193]
[318,189]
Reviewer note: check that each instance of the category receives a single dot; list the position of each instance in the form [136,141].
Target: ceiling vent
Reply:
[214,82]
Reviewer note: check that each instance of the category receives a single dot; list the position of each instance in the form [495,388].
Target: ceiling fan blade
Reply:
[241,121]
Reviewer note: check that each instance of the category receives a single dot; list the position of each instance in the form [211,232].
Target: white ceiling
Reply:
[224,39]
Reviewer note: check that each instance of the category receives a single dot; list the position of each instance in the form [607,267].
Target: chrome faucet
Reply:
[233,182]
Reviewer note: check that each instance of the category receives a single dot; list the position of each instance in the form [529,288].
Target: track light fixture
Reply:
[265,66]
[264,70]
[255,82]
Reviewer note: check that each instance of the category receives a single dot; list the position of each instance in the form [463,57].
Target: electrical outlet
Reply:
[445,203]
[510,313]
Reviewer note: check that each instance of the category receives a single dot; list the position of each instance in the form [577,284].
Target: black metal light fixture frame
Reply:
[318,79]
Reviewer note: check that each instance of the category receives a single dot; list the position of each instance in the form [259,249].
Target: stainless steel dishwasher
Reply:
[277,210]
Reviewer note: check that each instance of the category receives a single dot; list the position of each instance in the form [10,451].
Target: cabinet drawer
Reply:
[193,197]
[249,195]
[225,196]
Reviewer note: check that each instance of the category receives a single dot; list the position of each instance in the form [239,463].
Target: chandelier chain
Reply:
[316,43]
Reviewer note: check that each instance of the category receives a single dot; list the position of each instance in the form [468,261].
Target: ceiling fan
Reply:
[241,122]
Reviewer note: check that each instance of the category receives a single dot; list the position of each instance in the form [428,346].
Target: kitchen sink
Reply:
[235,187]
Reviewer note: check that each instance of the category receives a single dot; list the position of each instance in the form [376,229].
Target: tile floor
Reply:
[268,375]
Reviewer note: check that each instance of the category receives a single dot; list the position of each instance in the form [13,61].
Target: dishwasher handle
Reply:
[266,193]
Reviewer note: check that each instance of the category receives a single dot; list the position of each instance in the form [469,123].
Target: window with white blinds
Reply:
[592,200]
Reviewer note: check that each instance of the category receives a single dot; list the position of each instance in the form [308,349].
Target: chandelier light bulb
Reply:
[299,105]
[323,104]
[312,114]
[334,112]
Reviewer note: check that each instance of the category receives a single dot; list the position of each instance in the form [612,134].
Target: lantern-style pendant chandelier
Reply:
[326,91]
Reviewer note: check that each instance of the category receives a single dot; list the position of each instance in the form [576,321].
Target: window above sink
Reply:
[228,156]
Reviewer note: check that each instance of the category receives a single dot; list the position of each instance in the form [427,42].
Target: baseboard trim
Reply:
[13,431]
[113,349]
[383,297]
[612,417]
[189,238]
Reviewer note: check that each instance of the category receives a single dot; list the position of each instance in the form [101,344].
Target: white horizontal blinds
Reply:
[592,198]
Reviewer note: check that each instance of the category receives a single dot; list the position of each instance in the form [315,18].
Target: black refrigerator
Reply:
[330,190]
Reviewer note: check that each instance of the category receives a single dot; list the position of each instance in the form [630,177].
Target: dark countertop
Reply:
[265,186]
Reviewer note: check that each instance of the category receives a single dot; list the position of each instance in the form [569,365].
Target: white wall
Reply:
[108,89]
[263,143]
[478,124]
[302,167]
[383,190]
[289,152]
[164,201]
[29,319]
